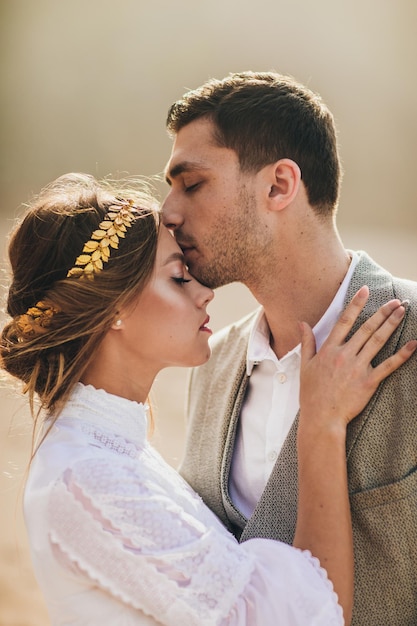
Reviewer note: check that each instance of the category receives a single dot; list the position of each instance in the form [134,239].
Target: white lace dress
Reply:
[118,538]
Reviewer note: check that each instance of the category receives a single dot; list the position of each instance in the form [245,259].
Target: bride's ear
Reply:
[285,183]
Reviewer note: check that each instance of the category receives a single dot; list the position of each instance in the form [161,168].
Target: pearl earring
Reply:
[118,323]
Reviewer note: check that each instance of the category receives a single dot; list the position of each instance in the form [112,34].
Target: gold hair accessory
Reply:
[97,249]
[36,320]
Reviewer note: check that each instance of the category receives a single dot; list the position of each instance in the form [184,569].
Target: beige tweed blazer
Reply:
[381,457]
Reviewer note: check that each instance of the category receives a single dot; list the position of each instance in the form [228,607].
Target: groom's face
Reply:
[209,206]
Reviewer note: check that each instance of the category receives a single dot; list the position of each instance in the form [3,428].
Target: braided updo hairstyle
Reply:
[57,321]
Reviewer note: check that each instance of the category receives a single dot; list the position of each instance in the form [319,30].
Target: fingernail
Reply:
[399,312]
[405,303]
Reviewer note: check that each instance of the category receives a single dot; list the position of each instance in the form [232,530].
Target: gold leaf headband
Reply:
[36,320]
[96,251]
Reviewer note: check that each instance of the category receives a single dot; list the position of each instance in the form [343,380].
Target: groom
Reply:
[255,176]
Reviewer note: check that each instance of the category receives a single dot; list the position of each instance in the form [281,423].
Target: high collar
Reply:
[87,404]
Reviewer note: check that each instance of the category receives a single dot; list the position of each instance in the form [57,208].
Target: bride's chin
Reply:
[202,358]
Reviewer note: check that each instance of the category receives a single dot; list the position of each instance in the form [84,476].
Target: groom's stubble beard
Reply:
[235,249]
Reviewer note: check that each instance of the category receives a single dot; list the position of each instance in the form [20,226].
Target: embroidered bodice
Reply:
[117,537]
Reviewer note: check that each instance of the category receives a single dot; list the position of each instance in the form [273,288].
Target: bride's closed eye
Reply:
[180,280]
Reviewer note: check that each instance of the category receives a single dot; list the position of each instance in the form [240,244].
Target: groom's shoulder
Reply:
[371,273]
[406,290]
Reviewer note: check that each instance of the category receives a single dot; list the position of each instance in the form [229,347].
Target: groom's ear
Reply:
[285,182]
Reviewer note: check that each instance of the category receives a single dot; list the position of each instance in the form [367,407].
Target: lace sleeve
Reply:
[125,533]
[152,544]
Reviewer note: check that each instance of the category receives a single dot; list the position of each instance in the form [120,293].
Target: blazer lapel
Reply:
[234,515]
[381,288]
[276,512]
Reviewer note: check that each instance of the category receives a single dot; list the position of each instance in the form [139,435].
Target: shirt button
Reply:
[282,377]
[272,456]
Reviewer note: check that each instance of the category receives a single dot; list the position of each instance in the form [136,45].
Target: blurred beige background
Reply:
[85,87]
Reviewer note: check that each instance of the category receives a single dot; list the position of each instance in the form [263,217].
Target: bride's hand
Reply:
[338,381]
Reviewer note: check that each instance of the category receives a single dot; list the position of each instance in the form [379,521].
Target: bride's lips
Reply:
[204,327]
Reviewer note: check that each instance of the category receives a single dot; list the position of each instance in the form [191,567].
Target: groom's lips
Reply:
[186,248]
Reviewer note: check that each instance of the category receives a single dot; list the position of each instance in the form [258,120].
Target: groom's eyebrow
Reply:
[180,168]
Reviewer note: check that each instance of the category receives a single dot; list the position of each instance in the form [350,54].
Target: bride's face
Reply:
[167,324]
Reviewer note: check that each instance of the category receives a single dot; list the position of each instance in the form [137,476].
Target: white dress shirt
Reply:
[271,403]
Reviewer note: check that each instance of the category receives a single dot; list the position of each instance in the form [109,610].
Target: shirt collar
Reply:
[259,347]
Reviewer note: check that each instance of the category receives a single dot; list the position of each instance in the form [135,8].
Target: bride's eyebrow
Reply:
[175,256]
